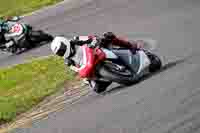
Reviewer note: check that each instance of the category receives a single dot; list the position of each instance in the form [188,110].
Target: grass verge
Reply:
[25,85]
[19,7]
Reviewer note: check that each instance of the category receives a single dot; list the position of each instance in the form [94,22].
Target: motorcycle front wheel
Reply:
[13,49]
[99,86]
[109,71]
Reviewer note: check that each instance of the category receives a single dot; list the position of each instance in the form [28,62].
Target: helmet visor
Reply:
[62,49]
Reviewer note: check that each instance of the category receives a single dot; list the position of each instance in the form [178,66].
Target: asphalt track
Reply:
[167,102]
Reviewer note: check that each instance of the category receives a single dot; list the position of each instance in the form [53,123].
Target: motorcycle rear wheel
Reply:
[39,36]
[156,63]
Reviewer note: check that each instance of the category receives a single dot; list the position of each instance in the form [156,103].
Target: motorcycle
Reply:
[32,37]
[119,65]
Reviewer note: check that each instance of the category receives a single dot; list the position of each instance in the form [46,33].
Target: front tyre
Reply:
[109,72]
[13,49]
[99,86]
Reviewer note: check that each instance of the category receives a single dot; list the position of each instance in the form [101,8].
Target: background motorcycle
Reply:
[32,37]
[118,65]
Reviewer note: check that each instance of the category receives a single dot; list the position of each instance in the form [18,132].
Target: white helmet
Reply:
[61,46]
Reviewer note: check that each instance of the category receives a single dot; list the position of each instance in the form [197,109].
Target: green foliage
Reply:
[24,85]
[18,7]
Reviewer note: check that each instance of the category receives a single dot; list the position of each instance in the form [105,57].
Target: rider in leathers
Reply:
[73,54]
[8,38]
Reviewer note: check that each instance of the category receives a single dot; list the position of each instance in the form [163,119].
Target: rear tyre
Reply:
[39,36]
[156,63]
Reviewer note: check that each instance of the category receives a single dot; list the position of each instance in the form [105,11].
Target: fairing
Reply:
[91,57]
